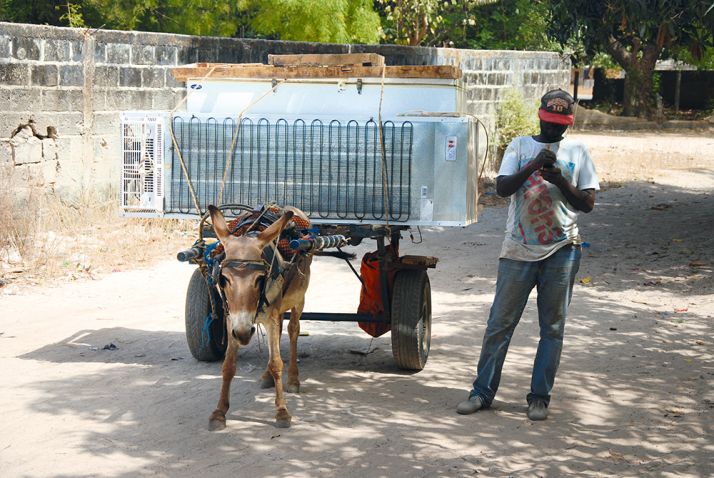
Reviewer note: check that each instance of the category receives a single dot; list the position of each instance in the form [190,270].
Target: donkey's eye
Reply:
[223,280]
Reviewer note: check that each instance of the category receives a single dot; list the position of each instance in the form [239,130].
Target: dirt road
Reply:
[634,394]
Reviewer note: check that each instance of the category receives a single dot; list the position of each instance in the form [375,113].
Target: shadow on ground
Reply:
[633,396]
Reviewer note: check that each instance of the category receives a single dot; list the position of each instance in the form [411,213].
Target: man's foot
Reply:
[537,410]
[472,405]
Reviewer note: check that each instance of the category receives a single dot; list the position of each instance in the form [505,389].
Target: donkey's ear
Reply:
[219,223]
[272,231]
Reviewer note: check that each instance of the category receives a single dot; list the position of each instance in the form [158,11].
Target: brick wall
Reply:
[77,81]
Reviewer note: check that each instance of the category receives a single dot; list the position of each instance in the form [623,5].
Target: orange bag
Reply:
[370,297]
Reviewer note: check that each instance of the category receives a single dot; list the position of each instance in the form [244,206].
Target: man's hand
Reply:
[553,175]
[545,159]
[582,200]
[507,185]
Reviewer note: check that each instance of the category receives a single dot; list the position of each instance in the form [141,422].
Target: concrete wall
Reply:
[77,81]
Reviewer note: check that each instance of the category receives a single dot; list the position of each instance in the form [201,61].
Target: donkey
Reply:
[243,282]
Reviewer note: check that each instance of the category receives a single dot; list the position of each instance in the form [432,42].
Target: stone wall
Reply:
[77,81]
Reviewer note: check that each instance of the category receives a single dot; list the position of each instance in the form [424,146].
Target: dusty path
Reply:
[634,396]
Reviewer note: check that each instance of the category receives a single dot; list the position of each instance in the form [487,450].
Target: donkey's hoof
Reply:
[293,388]
[283,422]
[267,382]
[216,422]
[282,419]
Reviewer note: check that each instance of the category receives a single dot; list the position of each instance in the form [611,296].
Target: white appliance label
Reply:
[451,142]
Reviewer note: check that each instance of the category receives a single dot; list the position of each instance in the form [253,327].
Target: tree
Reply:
[191,17]
[338,21]
[412,22]
[48,12]
[635,33]
[510,25]
[333,21]
[429,22]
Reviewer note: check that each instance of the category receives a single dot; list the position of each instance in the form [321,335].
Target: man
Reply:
[549,180]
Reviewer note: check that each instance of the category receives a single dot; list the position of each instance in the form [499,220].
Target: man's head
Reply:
[555,113]
[556,106]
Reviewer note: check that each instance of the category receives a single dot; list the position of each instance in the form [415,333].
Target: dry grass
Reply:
[45,239]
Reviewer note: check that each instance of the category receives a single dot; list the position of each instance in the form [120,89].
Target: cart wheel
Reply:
[204,336]
[411,319]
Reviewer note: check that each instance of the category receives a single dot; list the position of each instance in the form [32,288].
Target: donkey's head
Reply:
[244,272]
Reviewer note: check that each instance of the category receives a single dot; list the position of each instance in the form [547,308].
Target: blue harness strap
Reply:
[206,335]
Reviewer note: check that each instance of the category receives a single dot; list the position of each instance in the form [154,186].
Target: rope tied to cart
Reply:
[383,154]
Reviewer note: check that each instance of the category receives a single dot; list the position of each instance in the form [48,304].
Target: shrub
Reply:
[514,117]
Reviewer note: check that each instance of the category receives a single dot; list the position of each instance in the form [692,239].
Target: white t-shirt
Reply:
[540,219]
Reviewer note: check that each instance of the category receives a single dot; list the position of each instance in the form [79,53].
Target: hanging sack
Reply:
[370,297]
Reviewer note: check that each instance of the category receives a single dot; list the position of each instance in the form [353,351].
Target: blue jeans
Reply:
[553,277]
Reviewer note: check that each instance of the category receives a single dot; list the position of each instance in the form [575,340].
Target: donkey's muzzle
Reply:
[243,335]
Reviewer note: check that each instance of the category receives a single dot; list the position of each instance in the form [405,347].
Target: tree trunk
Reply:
[639,64]
[639,98]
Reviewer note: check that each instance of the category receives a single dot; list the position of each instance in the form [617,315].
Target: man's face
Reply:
[553,131]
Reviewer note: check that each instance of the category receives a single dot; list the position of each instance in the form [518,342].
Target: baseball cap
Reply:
[556,106]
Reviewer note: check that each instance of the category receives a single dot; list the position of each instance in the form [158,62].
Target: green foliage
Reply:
[706,62]
[72,15]
[656,83]
[514,117]
[40,11]
[633,24]
[339,21]
[192,17]
[412,22]
[334,21]
[511,25]
[452,23]
[603,60]
[479,24]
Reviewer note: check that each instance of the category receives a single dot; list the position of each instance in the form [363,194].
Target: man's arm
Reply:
[507,185]
[582,200]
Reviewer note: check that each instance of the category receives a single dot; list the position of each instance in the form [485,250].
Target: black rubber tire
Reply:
[198,309]
[411,319]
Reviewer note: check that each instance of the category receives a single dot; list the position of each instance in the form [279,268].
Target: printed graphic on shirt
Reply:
[539,216]
[537,223]
[539,205]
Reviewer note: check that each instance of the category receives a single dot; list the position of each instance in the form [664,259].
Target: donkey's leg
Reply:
[294,332]
[218,417]
[266,380]
[275,366]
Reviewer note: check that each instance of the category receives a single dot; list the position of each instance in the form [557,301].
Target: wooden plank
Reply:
[211,65]
[251,71]
[420,261]
[337,59]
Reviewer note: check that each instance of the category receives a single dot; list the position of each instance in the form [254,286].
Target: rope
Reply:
[385,186]
[485,153]
[229,158]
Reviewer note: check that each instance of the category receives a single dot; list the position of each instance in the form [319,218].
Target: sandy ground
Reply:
[633,397]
